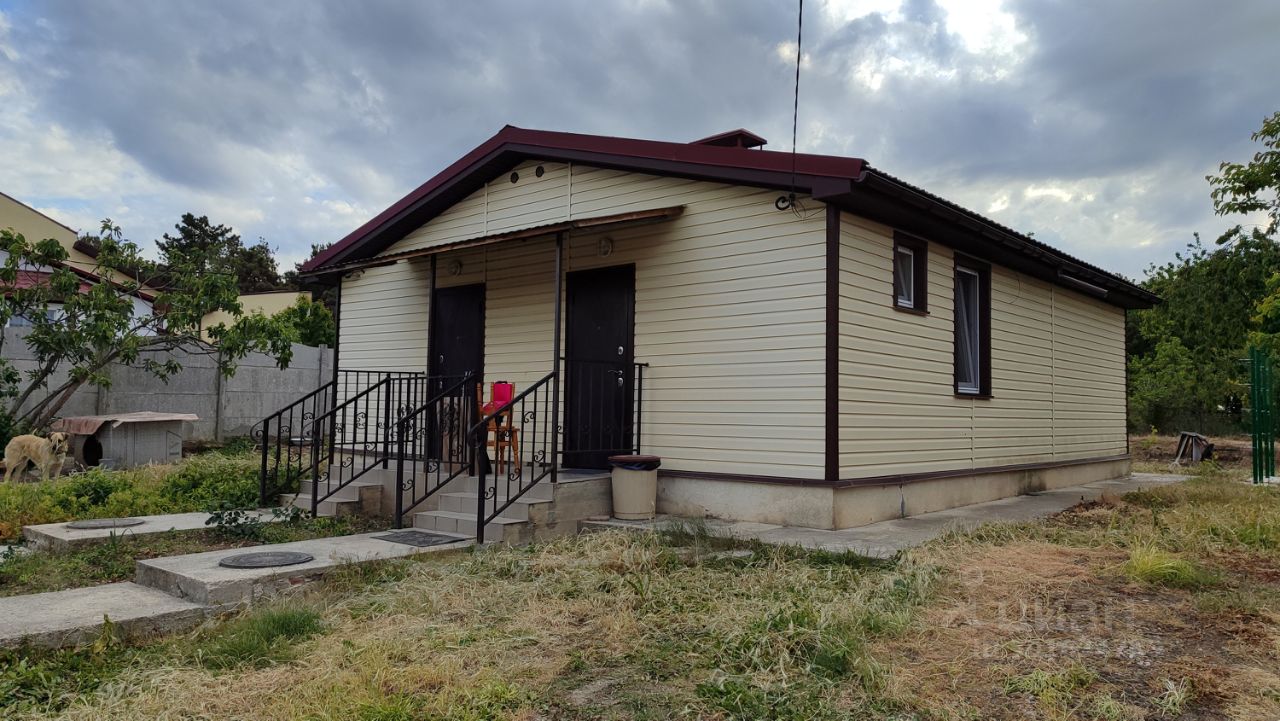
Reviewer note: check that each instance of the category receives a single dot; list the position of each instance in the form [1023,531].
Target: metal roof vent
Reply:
[739,138]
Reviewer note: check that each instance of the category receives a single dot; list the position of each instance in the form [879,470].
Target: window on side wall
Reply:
[972,328]
[910,273]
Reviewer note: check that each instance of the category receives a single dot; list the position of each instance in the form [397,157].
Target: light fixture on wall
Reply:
[455,268]
[606,247]
[353,274]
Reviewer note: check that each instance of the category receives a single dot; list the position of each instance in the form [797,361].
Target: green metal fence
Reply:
[1262,423]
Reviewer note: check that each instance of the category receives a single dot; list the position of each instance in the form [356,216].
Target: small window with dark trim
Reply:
[910,273]
[972,328]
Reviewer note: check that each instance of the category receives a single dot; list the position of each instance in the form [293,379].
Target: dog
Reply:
[49,454]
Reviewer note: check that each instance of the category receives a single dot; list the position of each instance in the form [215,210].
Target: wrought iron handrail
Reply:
[344,417]
[293,440]
[524,432]
[300,416]
[431,444]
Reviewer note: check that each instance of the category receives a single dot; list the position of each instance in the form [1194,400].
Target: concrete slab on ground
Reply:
[60,537]
[198,578]
[886,538]
[68,618]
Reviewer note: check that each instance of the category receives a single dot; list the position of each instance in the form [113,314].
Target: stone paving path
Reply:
[886,538]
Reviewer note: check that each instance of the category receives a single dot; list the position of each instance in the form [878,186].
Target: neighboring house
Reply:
[866,352]
[81,258]
[267,302]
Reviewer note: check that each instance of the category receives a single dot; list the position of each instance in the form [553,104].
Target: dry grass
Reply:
[1157,606]
[607,625]
[1048,620]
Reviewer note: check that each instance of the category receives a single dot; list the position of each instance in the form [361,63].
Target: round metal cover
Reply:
[98,523]
[266,559]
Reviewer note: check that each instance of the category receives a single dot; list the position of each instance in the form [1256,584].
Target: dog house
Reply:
[126,440]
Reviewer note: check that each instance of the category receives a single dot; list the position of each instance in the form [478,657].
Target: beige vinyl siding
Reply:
[564,192]
[1057,366]
[729,307]
[383,318]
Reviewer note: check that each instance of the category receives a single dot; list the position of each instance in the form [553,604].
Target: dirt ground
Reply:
[1228,451]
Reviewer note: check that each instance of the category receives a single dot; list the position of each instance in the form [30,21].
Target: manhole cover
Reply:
[96,523]
[266,559]
[417,538]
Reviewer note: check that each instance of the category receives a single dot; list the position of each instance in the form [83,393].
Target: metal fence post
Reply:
[386,420]
[480,488]
[315,474]
[262,473]
[400,442]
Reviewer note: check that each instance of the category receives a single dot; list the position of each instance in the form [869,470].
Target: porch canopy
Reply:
[558,229]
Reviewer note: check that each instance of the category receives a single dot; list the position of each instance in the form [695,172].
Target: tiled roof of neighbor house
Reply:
[732,157]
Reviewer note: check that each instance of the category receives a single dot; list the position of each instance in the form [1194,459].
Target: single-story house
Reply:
[803,339]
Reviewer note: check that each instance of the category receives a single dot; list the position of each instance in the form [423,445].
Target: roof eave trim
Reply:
[1065,265]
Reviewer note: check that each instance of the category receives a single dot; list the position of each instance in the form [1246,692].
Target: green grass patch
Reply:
[258,639]
[1149,564]
[46,681]
[1053,690]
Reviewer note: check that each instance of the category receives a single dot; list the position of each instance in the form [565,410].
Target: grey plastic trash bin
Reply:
[635,486]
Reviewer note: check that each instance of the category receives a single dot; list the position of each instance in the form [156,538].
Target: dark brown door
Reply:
[599,351]
[457,348]
[457,331]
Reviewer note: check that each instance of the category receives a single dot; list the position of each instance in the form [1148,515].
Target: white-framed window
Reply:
[910,273]
[970,321]
[904,277]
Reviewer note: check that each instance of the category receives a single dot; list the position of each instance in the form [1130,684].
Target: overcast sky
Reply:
[1090,123]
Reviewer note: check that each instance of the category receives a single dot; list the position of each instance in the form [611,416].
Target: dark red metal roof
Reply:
[849,183]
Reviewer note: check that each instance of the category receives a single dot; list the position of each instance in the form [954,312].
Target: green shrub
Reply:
[195,484]
[214,479]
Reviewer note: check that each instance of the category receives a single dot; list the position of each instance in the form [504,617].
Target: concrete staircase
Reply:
[546,511]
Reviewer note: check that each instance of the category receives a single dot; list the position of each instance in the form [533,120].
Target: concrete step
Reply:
[358,497]
[61,537]
[350,492]
[524,508]
[199,579]
[74,616]
[328,508]
[465,524]
[543,490]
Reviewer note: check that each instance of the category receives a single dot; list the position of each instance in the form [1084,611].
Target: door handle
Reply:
[622,351]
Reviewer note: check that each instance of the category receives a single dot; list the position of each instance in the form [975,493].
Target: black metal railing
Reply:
[299,440]
[523,437]
[281,438]
[604,406]
[432,445]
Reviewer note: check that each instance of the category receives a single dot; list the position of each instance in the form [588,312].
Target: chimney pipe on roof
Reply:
[739,138]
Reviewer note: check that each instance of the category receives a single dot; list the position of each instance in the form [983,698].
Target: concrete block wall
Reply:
[227,407]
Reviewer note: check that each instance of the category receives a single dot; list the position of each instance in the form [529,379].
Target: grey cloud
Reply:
[374,97]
